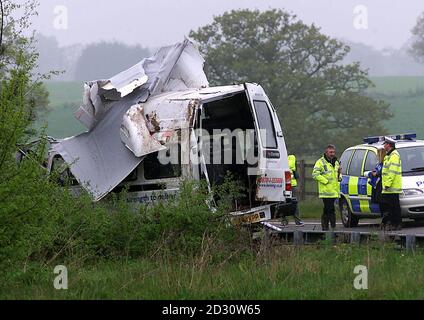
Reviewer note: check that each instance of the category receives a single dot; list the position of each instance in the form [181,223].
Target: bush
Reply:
[116,228]
[77,230]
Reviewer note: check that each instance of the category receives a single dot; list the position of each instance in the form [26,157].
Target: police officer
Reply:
[391,175]
[292,167]
[327,173]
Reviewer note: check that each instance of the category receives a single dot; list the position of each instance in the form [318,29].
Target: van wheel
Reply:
[348,219]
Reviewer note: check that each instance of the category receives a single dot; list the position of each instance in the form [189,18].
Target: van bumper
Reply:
[251,216]
[263,213]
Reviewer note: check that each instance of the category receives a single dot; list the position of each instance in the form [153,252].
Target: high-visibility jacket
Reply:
[328,178]
[292,167]
[392,173]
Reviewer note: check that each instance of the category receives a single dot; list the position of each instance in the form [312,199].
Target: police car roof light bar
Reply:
[403,136]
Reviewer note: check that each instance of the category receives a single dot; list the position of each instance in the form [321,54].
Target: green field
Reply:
[406,97]
[405,94]
[65,99]
[396,85]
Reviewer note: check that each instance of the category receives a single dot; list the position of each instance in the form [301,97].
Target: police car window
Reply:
[412,160]
[371,161]
[344,160]
[356,163]
[265,123]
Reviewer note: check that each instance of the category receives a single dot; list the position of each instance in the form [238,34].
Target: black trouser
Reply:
[329,213]
[390,208]
[296,213]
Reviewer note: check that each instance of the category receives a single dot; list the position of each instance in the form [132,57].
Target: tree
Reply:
[25,191]
[15,46]
[105,59]
[319,100]
[417,47]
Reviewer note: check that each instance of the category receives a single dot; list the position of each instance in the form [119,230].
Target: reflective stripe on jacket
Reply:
[392,173]
[292,167]
[327,177]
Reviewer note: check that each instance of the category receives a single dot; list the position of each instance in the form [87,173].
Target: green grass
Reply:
[324,272]
[311,208]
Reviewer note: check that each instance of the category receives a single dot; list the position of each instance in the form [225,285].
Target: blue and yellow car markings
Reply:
[360,189]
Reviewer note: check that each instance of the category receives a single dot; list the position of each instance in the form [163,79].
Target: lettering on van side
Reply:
[270,182]
[151,197]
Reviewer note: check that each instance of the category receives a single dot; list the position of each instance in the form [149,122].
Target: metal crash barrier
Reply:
[299,236]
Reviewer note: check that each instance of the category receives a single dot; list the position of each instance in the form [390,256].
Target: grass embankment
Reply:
[283,273]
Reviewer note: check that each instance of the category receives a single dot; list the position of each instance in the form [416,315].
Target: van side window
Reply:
[370,162]
[344,160]
[356,163]
[153,169]
[266,123]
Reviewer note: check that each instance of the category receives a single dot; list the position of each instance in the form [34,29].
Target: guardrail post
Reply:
[297,238]
[330,236]
[355,237]
[410,242]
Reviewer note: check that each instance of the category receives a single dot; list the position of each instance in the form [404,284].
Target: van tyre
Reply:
[348,219]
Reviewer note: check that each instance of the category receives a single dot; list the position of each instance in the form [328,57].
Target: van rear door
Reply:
[272,152]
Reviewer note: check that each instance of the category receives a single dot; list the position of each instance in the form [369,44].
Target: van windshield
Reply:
[412,160]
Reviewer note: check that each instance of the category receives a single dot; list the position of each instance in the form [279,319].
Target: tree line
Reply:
[94,61]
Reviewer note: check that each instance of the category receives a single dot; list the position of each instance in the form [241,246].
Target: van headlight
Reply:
[412,192]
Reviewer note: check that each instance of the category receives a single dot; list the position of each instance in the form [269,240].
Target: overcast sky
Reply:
[153,23]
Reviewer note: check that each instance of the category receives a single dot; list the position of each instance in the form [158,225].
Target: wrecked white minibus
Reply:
[159,122]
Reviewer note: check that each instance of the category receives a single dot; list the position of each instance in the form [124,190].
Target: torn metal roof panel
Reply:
[173,68]
[124,83]
[99,159]
[206,94]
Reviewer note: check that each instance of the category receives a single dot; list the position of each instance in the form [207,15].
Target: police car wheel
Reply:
[348,219]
